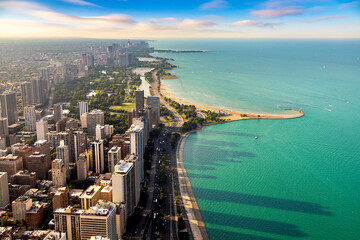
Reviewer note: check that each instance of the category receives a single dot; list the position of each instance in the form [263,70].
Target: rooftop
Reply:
[90,191]
[122,167]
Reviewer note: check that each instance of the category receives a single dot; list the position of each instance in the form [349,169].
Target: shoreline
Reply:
[189,202]
[232,115]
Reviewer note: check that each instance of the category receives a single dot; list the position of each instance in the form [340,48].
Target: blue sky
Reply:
[174,19]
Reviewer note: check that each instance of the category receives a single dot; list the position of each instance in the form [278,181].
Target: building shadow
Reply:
[255,224]
[262,201]
[194,175]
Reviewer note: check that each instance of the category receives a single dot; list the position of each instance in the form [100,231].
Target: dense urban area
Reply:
[88,143]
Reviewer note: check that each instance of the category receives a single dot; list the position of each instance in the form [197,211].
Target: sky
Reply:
[179,19]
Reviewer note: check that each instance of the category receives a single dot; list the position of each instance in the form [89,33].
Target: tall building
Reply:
[139,98]
[123,186]
[39,163]
[98,155]
[99,220]
[26,94]
[61,198]
[4,130]
[154,103]
[11,164]
[83,120]
[99,132]
[114,156]
[125,59]
[84,59]
[90,60]
[37,91]
[109,130]
[79,143]
[23,151]
[134,159]
[30,118]
[137,146]
[62,152]
[94,118]
[90,196]
[67,220]
[58,173]
[20,206]
[24,178]
[53,138]
[83,108]
[8,106]
[41,129]
[82,167]
[58,112]
[35,215]
[4,190]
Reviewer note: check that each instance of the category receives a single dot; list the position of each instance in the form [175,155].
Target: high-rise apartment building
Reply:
[41,129]
[134,159]
[99,132]
[37,91]
[109,130]
[8,106]
[58,173]
[98,155]
[99,220]
[82,167]
[58,112]
[114,156]
[61,198]
[26,94]
[20,206]
[137,146]
[139,98]
[154,103]
[67,220]
[94,118]
[4,190]
[39,163]
[90,196]
[4,129]
[30,118]
[62,152]
[11,164]
[123,185]
[83,108]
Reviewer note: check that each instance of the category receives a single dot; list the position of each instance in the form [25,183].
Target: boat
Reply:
[256,137]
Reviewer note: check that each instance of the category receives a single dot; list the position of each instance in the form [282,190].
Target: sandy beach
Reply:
[233,115]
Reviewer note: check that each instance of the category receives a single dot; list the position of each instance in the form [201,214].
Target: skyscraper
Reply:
[41,129]
[139,98]
[4,130]
[98,155]
[4,190]
[99,220]
[100,132]
[67,220]
[134,159]
[58,173]
[26,94]
[20,206]
[8,107]
[37,91]
[123,188]
[82,167]
[83,108]
[154,103]
[114,156]
[58,112]
[62,152]
[136,146]
[94,118]
[30,118]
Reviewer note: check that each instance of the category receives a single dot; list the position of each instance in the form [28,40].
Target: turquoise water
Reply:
[301,178]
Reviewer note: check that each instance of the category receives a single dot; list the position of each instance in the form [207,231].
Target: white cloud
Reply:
[214,4]
[81,3]
[326,18]
[191,23]
[163,20]
[275,13]
[254,23]
[352,4]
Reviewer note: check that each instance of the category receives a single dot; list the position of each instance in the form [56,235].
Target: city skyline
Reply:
[185,19]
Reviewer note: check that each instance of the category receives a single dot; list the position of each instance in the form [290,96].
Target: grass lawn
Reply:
[124,106]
